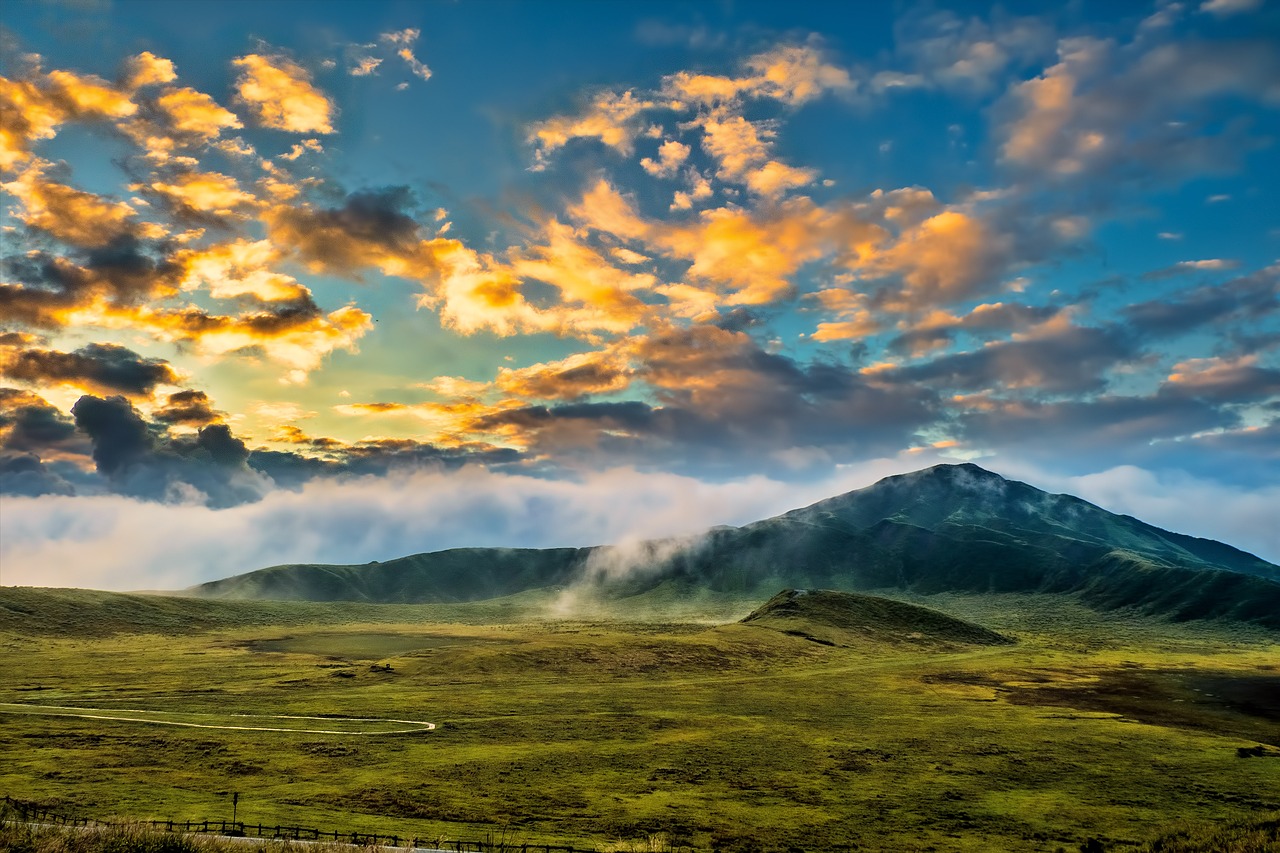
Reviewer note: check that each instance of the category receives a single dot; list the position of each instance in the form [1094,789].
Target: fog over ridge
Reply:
[119,543]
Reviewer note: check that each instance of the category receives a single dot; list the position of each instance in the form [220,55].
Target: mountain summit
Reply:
[955,528]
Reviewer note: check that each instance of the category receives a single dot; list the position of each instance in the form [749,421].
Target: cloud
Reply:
[1187,267]
[50,291]
[1107,429]
[187,111]
[671,154]
[147,69]
[792,74]
[966,55]
[939,329]
[189,408]
[571,378]
[1225,8]
[28,424]
[1248,298]
[71,215]
[610,117]
[1223,379]
[209,468]
[196,193]
[1059,358]
[100,367]
[369,229]
[279,94]
[365,66]
[109,542]
[1130,112]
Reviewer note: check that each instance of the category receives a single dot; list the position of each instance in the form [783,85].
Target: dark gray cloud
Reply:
[140,460]
[368,225]
[192,408]
[987,318]
[24,474]
[121,274]
[1108,430]
[1107,116]
[119,434]
[718,400]
[29,424]
[1071,360]
[103,366]
[1247,298]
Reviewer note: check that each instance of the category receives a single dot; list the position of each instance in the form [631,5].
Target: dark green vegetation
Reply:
[948,528]
[915,730]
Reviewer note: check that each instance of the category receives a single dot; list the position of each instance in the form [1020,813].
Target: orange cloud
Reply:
[609,117]
[30,114]
[854,321]
[295,335]
[147,69]
[239,268]
[944,258]
[204,192]
[792,74]
[90,97]
[195,113]
[671,154]
[750,255]
[71,215]
[571,378]
[279,94]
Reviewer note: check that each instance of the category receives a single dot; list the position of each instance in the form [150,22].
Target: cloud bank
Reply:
[117,543]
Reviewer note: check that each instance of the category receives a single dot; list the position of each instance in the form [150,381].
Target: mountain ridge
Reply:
[954,528]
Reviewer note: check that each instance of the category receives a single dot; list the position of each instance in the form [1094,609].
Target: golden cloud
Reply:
[90,97]
[204,192]
[30,114]
[147,69]
[571,378]
[280,95]
[192,112]
[239,268]
[73,216]
[609,117]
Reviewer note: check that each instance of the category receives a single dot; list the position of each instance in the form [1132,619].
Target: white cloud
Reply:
[1175,500]
[111,542]
[1223,8]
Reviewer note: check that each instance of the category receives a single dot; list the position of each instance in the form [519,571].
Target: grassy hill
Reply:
[838,618]
[947,528]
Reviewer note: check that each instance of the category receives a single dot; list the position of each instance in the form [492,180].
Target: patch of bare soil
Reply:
[1244,705]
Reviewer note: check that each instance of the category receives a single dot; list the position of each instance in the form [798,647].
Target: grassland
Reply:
[601,732]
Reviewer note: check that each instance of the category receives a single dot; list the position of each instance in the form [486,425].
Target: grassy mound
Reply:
[849,619]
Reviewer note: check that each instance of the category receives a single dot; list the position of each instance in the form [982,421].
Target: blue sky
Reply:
[280,254]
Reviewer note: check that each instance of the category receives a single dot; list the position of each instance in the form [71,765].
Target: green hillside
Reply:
[852,619]
[950,528]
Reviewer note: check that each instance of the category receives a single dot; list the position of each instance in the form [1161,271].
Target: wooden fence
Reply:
[37,813]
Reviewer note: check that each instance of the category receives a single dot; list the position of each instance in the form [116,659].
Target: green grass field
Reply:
[642,735]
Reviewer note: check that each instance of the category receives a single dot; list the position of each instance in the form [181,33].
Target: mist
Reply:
[112,542]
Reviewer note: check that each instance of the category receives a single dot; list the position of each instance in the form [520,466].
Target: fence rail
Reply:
[38,813]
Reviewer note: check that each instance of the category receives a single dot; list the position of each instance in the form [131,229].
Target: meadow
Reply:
[596,731]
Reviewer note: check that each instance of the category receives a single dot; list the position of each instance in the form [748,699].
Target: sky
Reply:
[290,282]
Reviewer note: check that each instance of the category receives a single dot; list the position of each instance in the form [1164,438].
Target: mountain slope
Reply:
[946,528]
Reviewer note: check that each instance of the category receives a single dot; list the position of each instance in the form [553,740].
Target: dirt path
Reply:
[97,714]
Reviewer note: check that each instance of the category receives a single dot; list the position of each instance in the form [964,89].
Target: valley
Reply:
[805,727]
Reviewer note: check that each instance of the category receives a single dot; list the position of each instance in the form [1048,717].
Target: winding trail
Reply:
[58,711]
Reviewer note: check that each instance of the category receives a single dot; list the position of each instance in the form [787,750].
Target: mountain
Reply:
[946,528]
[836,618]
